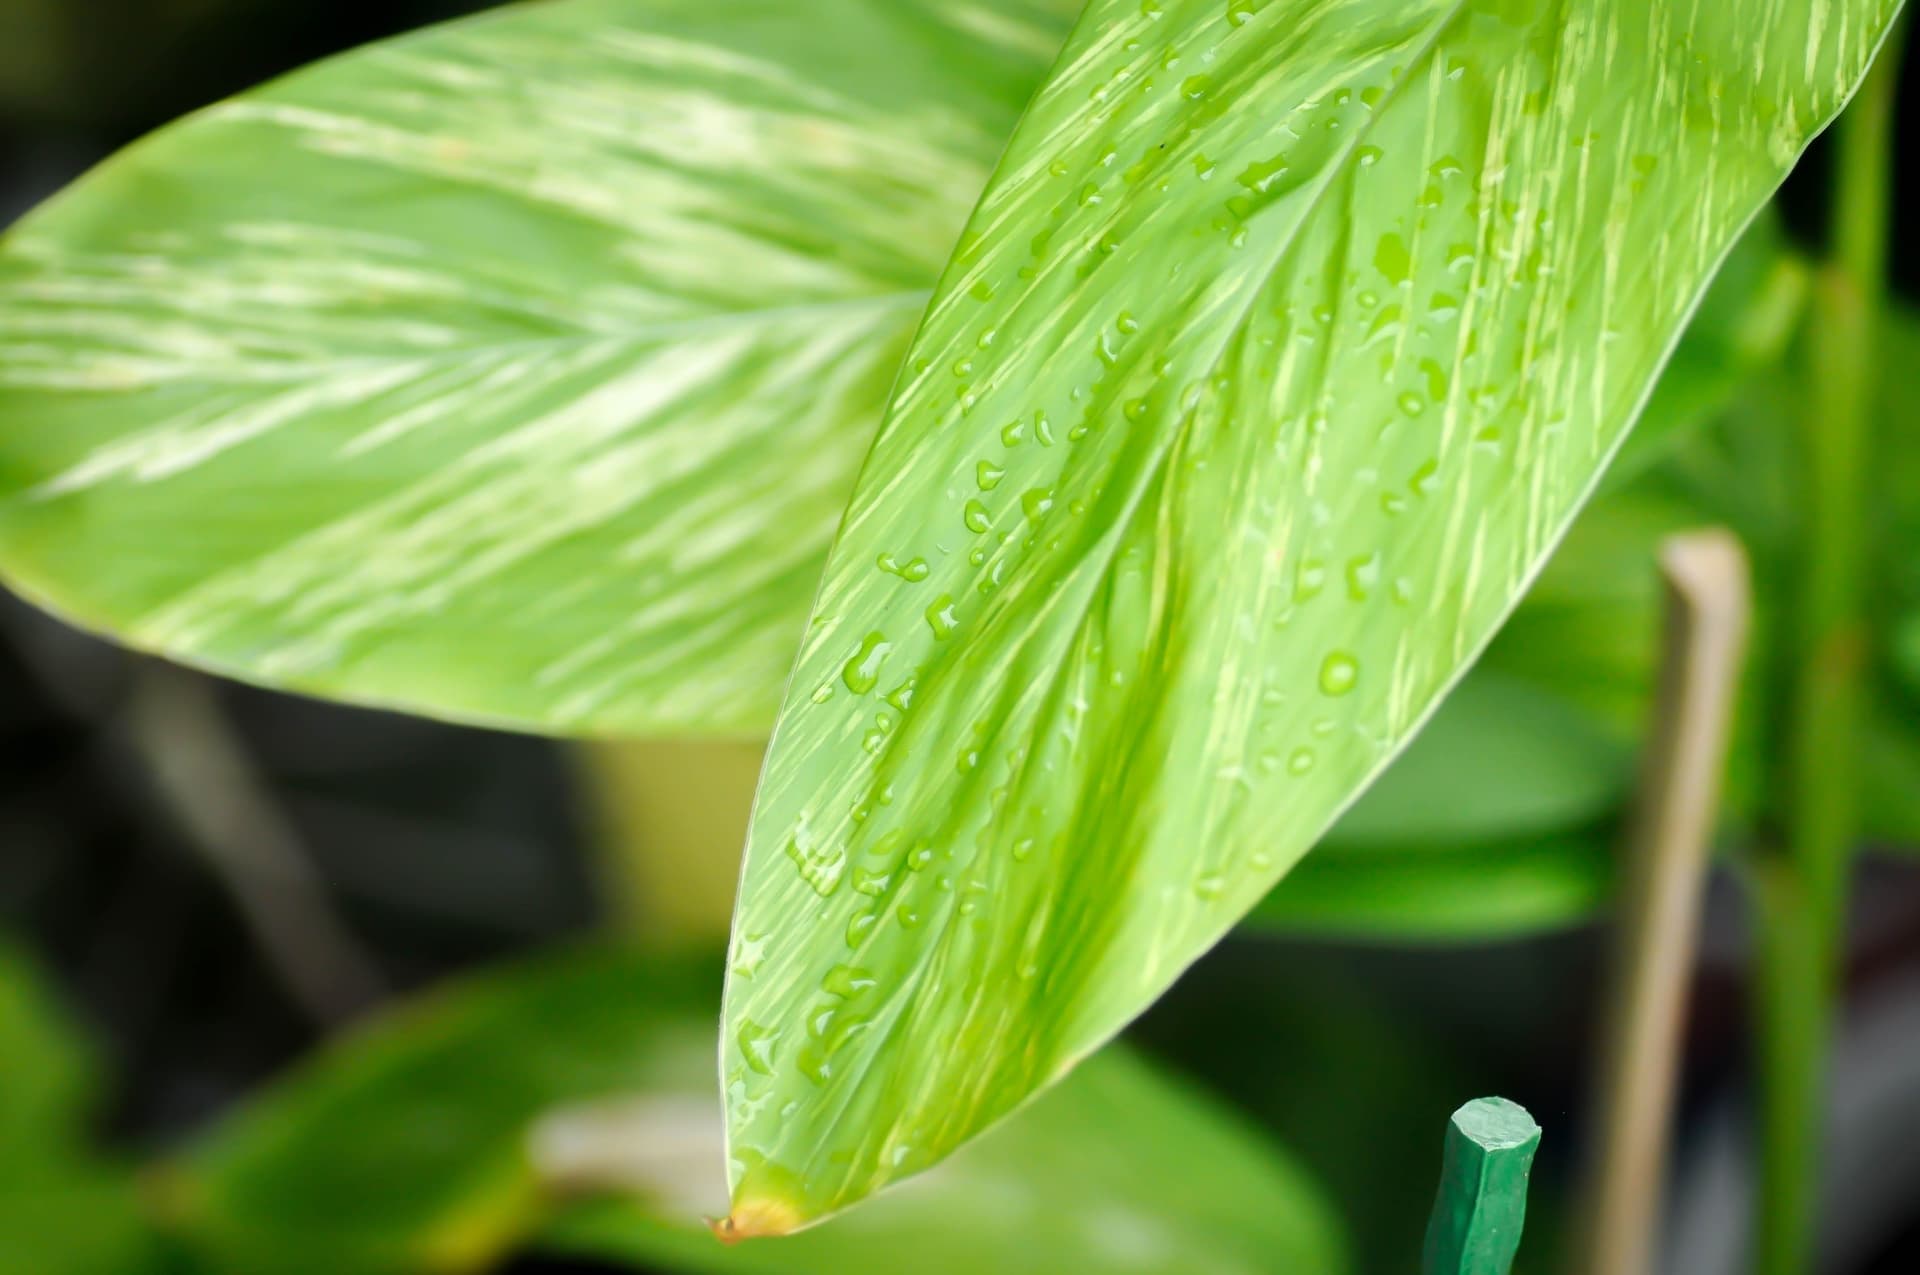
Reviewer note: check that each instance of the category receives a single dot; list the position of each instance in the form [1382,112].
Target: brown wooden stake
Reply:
[1708,606]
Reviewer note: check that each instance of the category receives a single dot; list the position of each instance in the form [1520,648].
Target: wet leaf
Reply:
[573,1098]
[513,371]
[1285,343]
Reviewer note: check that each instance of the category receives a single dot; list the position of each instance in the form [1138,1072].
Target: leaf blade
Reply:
[1148,446]
[513,371]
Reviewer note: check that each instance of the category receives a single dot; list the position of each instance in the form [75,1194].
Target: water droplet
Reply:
[1425,478]
[1263,173]
[756,1046]
[820,865]
[901,696]
[1363,573]
[987,475]
[976,517]
[1036,503]
[749,950]
[862,672]
[1012,435]
[940,617]
[1392,260]
[912,572]
[1301,762]
[848,981]
[1308,579]
[1339,673]
[1195,87]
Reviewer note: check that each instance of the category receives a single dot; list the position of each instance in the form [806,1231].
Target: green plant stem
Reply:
[1801,889]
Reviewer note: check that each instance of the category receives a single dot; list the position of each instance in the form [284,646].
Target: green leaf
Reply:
[405,1146]
[1898,524]
[1743,324]
[1444,892]
[50,1078]
[1284,344]
[1487,826]
[1117,1170]
[62,1210]
[513,371]
[443,1136]
[1906,650]
[1500,760]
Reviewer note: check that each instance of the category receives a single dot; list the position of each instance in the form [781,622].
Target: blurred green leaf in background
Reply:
[571,1103]
[63,1209]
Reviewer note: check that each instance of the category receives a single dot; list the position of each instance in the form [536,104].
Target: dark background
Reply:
[445,847]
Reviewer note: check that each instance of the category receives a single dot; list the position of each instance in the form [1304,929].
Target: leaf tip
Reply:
[757,1218]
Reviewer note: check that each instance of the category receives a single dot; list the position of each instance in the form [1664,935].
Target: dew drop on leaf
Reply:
[756,1046]
[940,617]
[862,672]
[1339,674]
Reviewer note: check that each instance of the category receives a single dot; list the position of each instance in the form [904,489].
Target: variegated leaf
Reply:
[1284,345]
[513,371]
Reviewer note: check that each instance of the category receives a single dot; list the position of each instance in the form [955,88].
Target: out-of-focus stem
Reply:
[1801,888]
[222,806]
[1708,610]
[671,822]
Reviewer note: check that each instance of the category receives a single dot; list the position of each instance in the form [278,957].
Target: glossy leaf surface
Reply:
[1282,348]
[574,1098]
[513,371]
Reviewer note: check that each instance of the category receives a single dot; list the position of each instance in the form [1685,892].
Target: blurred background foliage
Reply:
[414,1073]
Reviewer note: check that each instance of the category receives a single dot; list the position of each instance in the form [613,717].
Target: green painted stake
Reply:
[1482,1205]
